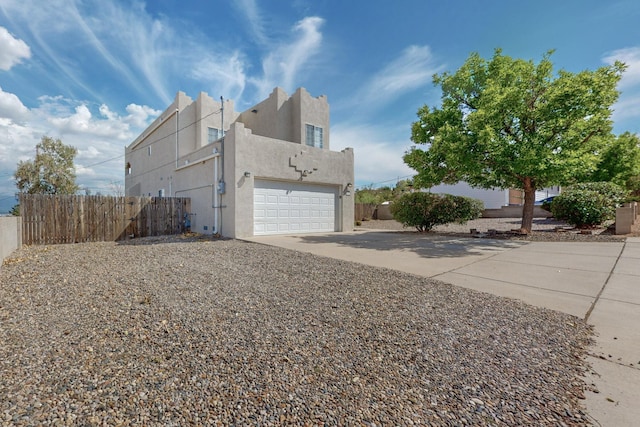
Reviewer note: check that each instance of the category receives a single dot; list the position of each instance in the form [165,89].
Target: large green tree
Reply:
[618,160]
[51,172]
[511,123]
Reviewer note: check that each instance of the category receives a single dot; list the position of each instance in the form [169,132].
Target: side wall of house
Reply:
[150,164]
[195,179]
[152,158]
[267,158]
[284,118]
[310,111]
[208,113]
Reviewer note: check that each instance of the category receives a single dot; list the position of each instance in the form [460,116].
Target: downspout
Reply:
[177,118]
[221,188]
[216,198]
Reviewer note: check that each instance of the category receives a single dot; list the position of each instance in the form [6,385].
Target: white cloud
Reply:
[12,50]
[627,110]
[144,52]
[250,10]
[99,136]
[282,66]
[83,172]
[631,57]
[12,108]
[140,115]
[224,73]
[107,125]
[413,69]
[90,153]
[378,151]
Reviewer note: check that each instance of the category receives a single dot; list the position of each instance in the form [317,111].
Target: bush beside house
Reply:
[426,210]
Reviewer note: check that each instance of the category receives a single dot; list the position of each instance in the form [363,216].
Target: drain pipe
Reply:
[177,118]
[221,183]
[216,197]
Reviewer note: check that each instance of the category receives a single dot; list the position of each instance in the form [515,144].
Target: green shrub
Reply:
[426,210]
[611,191]
[546,206]
[588,204]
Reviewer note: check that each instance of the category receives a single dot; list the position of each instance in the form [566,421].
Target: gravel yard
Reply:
[175,331]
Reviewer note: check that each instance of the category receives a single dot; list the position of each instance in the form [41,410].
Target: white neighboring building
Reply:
[267,170]
[492,199]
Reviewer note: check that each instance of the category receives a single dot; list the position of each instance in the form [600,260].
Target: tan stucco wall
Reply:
[262,143]
[196,181]
[152,155]
[283,117]
[267,158]
[154,170]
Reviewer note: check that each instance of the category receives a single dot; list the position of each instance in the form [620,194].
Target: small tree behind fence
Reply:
[51,219]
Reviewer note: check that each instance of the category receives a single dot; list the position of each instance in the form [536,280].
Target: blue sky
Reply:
[94,73]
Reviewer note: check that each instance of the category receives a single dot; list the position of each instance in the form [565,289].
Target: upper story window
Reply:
[314,136]
[214,135]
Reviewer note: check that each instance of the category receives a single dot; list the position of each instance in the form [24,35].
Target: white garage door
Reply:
[291,207]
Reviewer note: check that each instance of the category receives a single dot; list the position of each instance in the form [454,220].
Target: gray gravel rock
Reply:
[168,331]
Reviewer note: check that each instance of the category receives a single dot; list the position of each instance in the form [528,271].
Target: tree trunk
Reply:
[527,209]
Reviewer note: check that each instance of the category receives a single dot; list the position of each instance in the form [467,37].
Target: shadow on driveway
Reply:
[424,245]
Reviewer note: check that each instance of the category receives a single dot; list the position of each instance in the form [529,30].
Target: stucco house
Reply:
[267,170]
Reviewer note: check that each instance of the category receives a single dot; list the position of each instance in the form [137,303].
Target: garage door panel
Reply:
[290,207]
[271,228]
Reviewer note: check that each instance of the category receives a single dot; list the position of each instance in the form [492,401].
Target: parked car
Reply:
[544,201]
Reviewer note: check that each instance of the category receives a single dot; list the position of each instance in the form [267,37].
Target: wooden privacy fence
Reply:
[48,219]
[364,211]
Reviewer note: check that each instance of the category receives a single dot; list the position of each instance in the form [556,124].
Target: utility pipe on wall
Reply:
[177,118]
[221,183]
[216,197]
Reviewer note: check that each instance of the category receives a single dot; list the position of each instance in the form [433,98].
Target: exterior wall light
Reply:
[247,174]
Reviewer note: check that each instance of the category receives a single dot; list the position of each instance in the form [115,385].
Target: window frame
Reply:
[317,135]
[219,133]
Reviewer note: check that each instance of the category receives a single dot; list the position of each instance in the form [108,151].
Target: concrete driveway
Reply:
[595,281]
